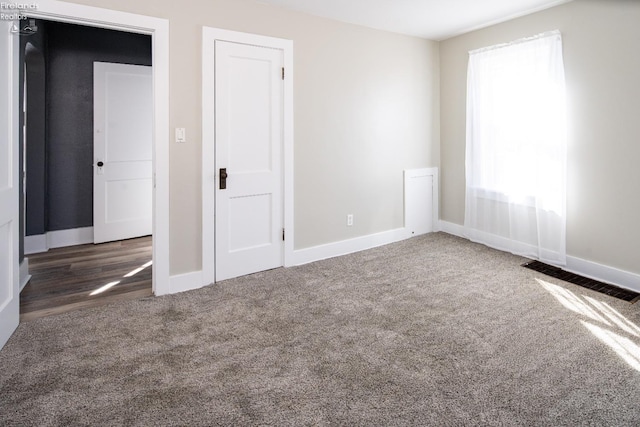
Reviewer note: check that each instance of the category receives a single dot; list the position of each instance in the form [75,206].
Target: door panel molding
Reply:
[209,37]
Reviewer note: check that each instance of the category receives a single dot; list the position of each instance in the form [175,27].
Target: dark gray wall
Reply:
[69,55]
[36,137]
[72,49]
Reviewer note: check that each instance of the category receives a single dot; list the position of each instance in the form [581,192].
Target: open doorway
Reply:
[67,270]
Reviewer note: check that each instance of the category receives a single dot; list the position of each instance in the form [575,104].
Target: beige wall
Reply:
[366,107]
[602,65]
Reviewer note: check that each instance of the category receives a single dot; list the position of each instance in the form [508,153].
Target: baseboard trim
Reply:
[35,244]
[195,279]
[590,269]
[182,283]
[72,237]
[24,273]
[57,239]
[604,273]
[593,270]
[344,247]
[451,228]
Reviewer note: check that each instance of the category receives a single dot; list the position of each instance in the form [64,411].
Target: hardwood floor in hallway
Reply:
[76,277]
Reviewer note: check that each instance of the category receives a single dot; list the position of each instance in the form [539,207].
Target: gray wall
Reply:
[365,108]
[602,64]
[70,50]
[36,131]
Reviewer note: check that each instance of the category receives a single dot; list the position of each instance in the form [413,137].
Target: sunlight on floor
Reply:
[138,270]
[600,311]
[572,302]
[625,348]
[104,288]
[615,317]
[112,284]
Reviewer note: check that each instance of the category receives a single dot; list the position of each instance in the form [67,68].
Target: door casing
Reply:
[209,37]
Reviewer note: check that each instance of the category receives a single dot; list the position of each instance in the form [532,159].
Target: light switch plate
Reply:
[181,135]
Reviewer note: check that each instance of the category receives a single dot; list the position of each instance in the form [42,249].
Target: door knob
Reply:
[100,164]
[223,178]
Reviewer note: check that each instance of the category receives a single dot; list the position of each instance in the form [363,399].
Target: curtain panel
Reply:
[516,148]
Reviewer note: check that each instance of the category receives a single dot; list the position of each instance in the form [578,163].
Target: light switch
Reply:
[181,135]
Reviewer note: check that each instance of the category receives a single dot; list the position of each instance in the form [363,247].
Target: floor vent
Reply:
[585,282]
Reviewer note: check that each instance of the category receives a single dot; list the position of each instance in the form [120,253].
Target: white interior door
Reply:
[123,136]
[9,272]
[249,140]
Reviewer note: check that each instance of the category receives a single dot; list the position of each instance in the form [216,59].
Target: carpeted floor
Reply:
[434,330]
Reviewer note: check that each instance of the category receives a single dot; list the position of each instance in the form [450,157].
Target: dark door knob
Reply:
[100,164]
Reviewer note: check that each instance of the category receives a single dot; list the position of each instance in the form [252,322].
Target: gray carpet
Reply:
[434,330]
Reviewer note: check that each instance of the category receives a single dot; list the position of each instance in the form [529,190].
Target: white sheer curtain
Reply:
[516,148]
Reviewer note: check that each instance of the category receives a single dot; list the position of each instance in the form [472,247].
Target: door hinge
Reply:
[283,234]
[282,73]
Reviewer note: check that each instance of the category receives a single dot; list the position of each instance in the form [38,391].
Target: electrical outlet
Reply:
[350,220]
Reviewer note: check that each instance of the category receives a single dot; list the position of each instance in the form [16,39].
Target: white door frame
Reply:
[10,200]
[209,37]
[158,29]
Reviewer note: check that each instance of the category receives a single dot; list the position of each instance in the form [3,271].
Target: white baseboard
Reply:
[451,228]
[35,244]
[195,279]
[183,282]
[593,270]
[24,273]
[603,273]
[624,279]
[57,239]
[344,247]
[75,236]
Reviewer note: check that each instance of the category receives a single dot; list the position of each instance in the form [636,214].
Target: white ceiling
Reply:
[430,19]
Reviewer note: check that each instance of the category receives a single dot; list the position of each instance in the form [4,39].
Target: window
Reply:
[516,147]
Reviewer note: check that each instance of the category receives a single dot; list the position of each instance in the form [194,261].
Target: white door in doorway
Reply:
[9,275]
[248,153]
[123,141]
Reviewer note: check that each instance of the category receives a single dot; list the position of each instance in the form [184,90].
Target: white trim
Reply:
[24,273]
[603,273]
[512,246]
[57,239]
[452,228]
[158,29]
[35,244]
[593,270]
[185,282]
[63,238]
[209,37]
[500,243]
[344,247]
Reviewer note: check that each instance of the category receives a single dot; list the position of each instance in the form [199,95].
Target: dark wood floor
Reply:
[64,279]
